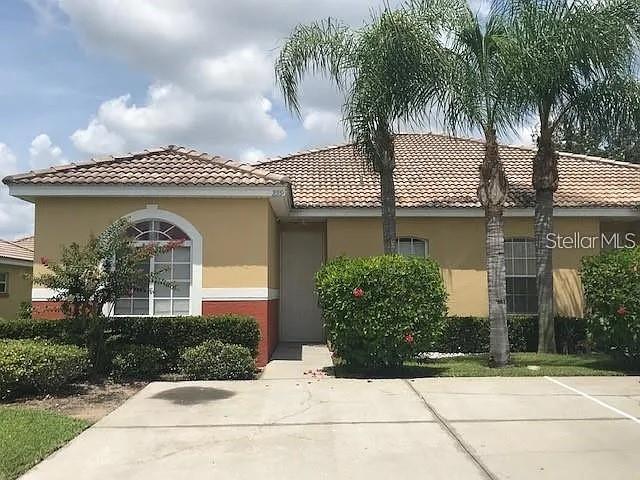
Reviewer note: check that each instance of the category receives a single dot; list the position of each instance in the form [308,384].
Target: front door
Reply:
[302,254]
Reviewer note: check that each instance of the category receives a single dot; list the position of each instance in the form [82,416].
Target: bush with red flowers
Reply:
[381,311]
[611,283]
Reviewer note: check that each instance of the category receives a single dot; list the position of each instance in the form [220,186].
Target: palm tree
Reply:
[474,94]
[373,67]
[564,48]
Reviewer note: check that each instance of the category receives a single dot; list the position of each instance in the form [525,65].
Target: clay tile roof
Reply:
[168,166]
[434,170]
[21,249]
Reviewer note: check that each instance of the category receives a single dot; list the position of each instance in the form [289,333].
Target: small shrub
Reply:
[611,283]
[380,311]
[137,361]
[31,366]
[215,360]
[175,334]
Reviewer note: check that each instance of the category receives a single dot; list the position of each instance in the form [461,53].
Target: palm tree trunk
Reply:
[492,192]
[385,165]
[388,199]
[545,182]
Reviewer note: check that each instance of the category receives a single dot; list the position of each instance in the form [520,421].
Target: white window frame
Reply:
[412,241]
[4,281]
[152,212]
[151,294]
[514,275]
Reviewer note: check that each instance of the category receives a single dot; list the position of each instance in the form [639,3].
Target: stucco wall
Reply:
[19,290]
[273,251]
[457,244]
[237,233]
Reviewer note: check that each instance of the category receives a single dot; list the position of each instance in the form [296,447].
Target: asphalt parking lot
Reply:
[316,427]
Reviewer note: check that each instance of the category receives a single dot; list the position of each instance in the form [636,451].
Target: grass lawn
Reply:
[27,436]
[522,365]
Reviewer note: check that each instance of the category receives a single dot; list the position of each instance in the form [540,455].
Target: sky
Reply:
[84,78]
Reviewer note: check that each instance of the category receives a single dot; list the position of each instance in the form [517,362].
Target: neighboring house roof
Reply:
[434,170]
[21,249]
[172,165]
[26,242]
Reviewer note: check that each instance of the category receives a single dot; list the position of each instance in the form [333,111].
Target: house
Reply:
[16,265]
[255,234]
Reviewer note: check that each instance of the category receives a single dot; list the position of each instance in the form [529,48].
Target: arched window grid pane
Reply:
[174,266]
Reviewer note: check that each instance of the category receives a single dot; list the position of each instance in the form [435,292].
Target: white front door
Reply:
[302,254]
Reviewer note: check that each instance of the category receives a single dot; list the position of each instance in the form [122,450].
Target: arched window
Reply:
[174,265]
[411,246]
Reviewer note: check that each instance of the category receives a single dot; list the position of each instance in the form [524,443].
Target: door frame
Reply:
[321,227]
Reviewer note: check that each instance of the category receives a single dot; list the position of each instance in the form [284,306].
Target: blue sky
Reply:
[83,78]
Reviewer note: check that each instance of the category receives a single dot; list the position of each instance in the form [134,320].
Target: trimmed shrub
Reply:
[32,366]
[471,334]
[215,360]
[59,331]
[175,334]
[137,361]
[171,334]
[611,283]
[380,311]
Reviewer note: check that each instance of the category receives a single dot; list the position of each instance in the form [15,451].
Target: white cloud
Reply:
[43,153]
[173,115]
[96,139]
[210,61]
[16,216]
[322,121]
[253,155]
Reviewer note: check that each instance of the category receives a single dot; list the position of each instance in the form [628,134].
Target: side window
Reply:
[4,282]
[522,294]
[411,246]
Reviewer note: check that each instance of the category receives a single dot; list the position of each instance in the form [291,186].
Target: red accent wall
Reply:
[46,310]
[264,311]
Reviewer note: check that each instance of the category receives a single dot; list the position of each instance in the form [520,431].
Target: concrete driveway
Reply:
[324,428]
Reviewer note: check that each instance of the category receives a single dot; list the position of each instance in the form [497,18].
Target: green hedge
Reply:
[175,334]
[171,334]
[380,311]
[35,366]
[60,331]
[215,360]
[471,335]
[611,283]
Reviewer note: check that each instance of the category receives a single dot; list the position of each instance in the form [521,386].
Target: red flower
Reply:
[358,292]
[408,338]
[44,261]
[622,310]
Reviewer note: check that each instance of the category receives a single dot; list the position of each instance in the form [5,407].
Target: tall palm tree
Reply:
[373,67]
[563,48]
[474,94]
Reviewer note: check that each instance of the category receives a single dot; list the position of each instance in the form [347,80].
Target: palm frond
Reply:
[321,47]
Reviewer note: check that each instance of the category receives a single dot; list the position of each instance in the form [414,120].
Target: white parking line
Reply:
[599,402]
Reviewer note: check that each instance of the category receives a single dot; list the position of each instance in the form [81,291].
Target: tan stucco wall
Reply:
[458,245]
[19,290]
[273,251]
[237,234]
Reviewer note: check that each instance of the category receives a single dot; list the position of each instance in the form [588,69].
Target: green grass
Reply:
[522,365]
[27,436]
